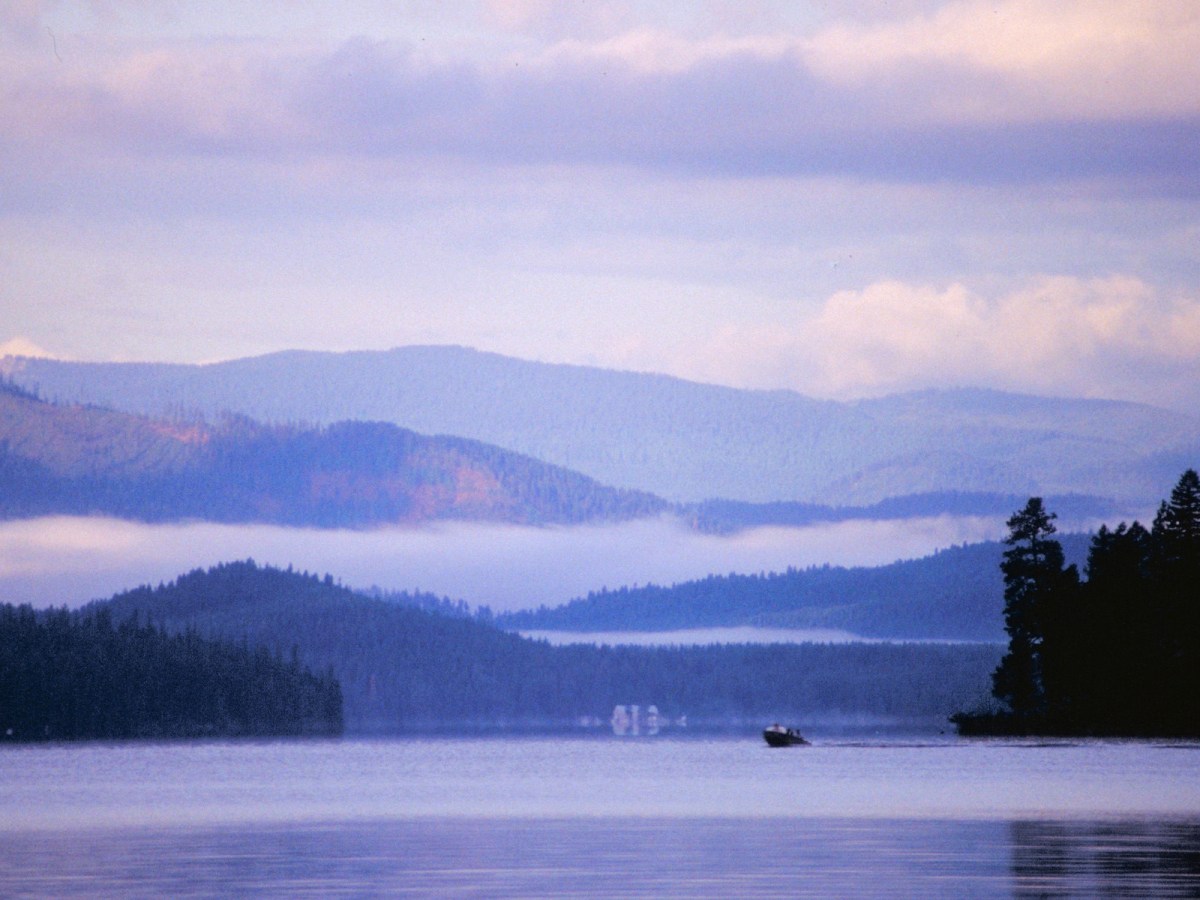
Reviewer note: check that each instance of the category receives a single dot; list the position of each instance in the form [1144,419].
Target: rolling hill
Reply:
[955,594]
[72,459]
[402,667]
[75,459]
[680,440]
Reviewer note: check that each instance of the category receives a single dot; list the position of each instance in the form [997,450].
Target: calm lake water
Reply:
[601,816]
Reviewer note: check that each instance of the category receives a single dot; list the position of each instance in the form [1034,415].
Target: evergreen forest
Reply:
[1115,652]
[74,676]
[953,594]
[403,666]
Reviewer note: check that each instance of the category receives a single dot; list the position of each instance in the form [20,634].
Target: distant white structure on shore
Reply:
[628,720]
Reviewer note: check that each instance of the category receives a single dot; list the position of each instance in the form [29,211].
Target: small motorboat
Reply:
[778,736]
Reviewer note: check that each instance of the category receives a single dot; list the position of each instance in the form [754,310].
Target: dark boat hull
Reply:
[788,738]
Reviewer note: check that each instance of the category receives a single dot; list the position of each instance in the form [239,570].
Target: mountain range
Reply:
[955,594]
[58,458]
[402,667]
[76,459]
[679,440]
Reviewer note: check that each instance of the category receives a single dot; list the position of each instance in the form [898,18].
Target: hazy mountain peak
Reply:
[679,439]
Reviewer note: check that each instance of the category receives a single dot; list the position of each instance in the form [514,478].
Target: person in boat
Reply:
[778,736]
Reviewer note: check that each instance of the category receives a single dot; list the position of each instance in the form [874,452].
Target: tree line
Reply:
[402,667]
[950,595]
[1116,652]
[76,675]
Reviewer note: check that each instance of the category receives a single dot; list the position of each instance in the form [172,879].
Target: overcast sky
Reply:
[842,198]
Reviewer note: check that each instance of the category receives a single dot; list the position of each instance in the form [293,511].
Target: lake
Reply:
[574,816]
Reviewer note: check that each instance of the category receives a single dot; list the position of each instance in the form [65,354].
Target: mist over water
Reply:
[732,634]
[699,637]
[71,560]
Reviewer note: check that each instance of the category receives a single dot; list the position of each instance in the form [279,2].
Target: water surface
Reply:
[601,816]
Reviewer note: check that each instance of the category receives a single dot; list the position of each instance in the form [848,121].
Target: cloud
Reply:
[1100,337]
[613,182]
[67,560]
[1013,92]
[651,52]
[1026,59]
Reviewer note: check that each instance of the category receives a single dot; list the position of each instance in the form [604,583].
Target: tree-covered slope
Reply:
[402,667]
[677,439]
[77,676]
[67,458]
[955,594]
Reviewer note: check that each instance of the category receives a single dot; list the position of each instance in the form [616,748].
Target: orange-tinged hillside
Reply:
[73,459]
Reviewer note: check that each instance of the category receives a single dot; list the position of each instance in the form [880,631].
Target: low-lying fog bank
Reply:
[70,560]
[701,637]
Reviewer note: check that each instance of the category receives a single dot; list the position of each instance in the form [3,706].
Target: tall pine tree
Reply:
[1036,588]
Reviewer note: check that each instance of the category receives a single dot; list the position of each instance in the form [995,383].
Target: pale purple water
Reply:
[602,816]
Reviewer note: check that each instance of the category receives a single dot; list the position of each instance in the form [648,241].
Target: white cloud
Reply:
[625,96]
[1027,59]
[1112,337]
[621,183]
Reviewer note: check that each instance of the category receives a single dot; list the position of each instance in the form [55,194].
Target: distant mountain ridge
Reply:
[58,458]
[72,459]
[956,594]
[680,440]
[401,667]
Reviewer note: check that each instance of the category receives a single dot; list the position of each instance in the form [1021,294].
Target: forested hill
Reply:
[72,459]
[955,594]
[401,667]
[79,676]
[60,458]
[680,440]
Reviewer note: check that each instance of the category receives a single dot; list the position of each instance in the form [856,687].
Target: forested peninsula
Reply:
[231,651]
[405,665]
[951,595]
[1114,653]
[77,676]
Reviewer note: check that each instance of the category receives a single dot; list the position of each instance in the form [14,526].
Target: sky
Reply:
[845,199]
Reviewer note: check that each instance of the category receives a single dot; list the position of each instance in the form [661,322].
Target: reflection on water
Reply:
[587,816]
[1126,859]
[615,858]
